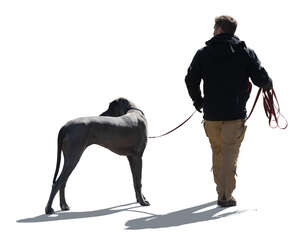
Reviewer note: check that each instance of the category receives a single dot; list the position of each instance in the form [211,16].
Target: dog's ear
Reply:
[124,103]
[108,112]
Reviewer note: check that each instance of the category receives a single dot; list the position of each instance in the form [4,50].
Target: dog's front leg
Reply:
[136,170]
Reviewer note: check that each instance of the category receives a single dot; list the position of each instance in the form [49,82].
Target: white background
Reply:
[65,59]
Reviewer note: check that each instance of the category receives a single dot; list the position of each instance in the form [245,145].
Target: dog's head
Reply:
[118,108]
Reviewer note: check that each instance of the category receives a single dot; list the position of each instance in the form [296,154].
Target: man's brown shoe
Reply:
[227,203]
[221,201]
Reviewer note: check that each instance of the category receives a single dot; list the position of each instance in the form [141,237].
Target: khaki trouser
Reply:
[225,138]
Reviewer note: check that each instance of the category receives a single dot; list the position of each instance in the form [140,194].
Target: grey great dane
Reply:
[121,129]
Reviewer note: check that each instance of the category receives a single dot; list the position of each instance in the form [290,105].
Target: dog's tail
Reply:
[60,138]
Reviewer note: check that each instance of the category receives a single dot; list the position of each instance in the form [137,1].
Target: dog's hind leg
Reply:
[73,159]
[63,204]
[136,170]
[69,165]
[55,187]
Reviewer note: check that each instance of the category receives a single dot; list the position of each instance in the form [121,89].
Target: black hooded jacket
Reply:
[225,65]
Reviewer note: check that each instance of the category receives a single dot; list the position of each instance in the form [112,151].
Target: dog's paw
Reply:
[142,200]
[144,203]
[64,207]
[49,210]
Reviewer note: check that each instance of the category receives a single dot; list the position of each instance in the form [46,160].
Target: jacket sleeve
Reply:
[193,79]
[258,74]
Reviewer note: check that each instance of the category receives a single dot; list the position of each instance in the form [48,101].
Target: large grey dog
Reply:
[121,129]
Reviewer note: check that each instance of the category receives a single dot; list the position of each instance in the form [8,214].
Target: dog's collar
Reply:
[133,108]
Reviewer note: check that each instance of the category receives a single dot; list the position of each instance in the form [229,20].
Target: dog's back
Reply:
[121,135]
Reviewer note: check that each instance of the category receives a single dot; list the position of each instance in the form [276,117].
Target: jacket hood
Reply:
[223,38]
[226,44]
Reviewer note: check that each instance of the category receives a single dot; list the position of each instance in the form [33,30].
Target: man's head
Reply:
[225,24]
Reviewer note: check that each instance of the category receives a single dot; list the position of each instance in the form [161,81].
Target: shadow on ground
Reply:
[177,218]
[181,217]
[60,215]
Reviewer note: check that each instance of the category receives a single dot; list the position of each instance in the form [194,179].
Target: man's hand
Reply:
[199,105]
[268,86]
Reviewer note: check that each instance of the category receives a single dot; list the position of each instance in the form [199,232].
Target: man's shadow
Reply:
[177,218]
[181,217]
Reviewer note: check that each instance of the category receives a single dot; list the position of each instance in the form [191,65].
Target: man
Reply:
[225,65]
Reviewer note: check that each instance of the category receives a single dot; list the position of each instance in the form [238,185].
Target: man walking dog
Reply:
[225,65]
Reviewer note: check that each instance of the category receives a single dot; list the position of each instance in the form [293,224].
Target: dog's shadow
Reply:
[61,215]
[177,218]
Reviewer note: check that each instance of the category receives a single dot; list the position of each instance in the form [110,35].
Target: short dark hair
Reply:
[226,23]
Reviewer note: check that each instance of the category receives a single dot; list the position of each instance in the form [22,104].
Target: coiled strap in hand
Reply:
[271,106]
[272,109]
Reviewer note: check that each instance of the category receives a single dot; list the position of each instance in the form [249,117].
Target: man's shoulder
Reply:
[202,52]
[250,53]
[242,45]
